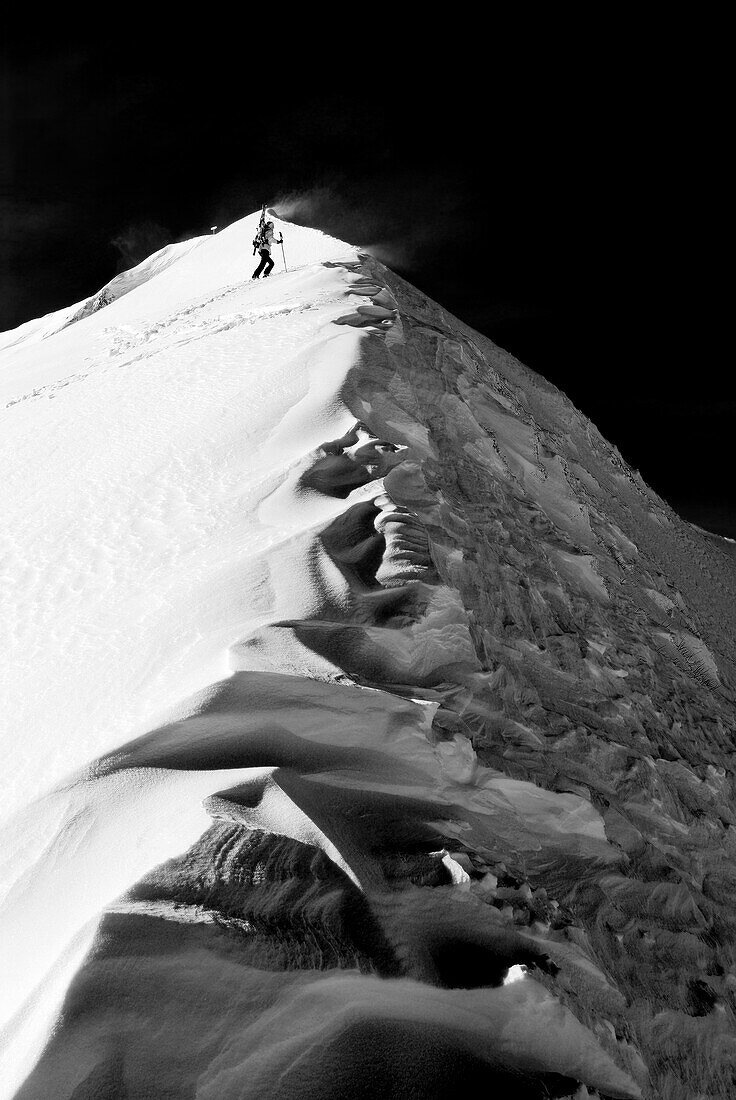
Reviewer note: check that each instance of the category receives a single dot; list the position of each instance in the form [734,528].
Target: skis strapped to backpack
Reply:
[258,239]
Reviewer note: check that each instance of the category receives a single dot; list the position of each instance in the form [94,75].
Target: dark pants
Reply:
[265,265]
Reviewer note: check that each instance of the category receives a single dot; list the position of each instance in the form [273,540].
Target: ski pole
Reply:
[282,252]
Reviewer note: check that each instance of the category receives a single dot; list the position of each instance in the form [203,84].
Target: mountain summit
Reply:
[352,675]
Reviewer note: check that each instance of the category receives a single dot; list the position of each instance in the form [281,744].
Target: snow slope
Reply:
[343,655]
[43,327]
[136,445]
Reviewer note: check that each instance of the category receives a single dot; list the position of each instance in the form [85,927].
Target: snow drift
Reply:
[349,667]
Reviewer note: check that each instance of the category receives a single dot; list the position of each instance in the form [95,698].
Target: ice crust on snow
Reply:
[349,671]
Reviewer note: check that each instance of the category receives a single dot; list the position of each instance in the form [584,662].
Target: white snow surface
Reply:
[136,454]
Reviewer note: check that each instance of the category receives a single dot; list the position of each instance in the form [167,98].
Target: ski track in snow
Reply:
[163,336]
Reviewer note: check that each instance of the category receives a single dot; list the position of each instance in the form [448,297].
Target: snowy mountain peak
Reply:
[350,668]
[221,258]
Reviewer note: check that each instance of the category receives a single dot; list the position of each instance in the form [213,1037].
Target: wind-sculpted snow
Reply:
[355,675]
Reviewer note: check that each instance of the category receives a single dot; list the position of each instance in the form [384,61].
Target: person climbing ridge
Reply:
[264,242]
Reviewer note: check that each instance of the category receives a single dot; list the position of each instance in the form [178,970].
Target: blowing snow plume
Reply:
[356,674]
[384,223]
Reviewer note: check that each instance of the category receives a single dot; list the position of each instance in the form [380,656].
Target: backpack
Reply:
[260,236]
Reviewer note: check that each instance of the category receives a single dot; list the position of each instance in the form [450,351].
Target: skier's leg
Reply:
[269,266]
[264,258]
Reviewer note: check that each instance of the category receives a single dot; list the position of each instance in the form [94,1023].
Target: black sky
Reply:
[562,187]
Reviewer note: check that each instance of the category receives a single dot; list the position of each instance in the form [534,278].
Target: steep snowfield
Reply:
[348,668]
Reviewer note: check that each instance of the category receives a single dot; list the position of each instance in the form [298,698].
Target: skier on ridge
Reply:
[264,243]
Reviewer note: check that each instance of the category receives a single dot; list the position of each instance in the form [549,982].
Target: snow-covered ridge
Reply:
[42,327]
[332,630]
[179,274]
